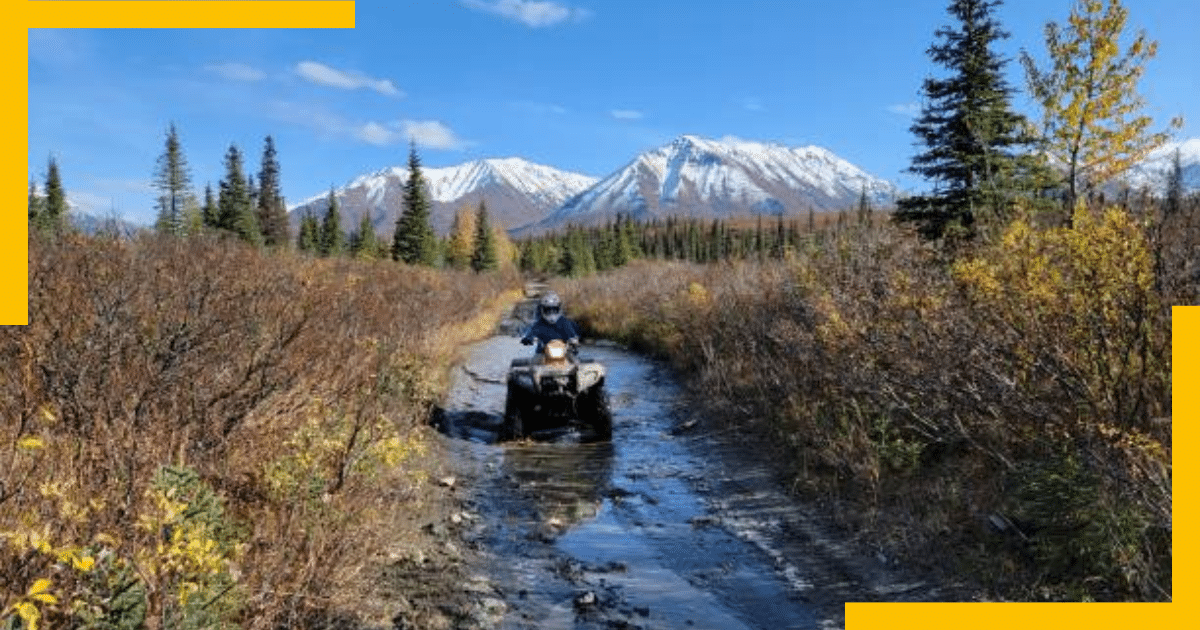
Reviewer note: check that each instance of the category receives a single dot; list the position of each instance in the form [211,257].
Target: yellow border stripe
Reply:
[14,216]
[190,14]
[1185,398]
[20,16]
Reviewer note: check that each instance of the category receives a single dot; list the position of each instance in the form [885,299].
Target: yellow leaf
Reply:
[30,443]
[29,614]
[45,598]
[39,586]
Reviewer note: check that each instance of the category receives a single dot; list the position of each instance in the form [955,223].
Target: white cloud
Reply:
[235,71]
[626,114]
[426,133]
[530,12]
[908,110]
[752,104]
[322,74]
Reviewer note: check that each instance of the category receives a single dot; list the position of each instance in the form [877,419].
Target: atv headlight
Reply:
[556,351]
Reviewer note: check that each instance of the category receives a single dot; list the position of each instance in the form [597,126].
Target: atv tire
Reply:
[594,411]
[514,412]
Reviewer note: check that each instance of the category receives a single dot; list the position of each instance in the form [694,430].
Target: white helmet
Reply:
[550,307]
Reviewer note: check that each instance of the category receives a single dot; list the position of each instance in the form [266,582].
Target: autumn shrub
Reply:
[197,433]
[1025,383]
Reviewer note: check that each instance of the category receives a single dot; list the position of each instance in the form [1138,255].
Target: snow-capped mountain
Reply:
[516,192]
[1152,172]
[704,178]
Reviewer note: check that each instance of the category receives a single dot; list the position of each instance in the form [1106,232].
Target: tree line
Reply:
[254,211]
[579,251]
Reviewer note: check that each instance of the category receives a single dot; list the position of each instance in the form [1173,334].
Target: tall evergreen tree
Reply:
[973,140]
[864,207]
[54,206]
[210,212]
[332,240]
[309,238]
[234,210]
[36,206]
[1092,125]
[1173,203]
[363,242]
[413,241]
[174,185]
[272,212]
[483,257]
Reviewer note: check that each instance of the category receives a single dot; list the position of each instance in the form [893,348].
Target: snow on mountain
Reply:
[516,192]
[1152,172]
[704,178]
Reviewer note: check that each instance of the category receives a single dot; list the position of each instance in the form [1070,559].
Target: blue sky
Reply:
[582,85]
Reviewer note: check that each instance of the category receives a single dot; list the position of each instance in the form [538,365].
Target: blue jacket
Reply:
[543,331]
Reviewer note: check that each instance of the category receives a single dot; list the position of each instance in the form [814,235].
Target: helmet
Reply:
[550,307]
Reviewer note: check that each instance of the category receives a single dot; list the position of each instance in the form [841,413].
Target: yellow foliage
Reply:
[324,447]
[39,592]
[1092,269]
[185,553]
[30,443]
[1083,293]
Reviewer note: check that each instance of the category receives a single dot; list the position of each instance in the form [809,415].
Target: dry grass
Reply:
[1024,385]
[158,374]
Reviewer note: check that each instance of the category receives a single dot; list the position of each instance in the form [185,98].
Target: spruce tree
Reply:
[210,212]
[972,137]
[483,258]
[864,208]
[1173,204]
[36,206]
[309,238]
[54,208]
[235,213]
[174,185]
[363,243]
[332,240]
[272,212]
[413,242]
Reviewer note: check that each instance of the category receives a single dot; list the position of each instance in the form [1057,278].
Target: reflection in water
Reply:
[565,481]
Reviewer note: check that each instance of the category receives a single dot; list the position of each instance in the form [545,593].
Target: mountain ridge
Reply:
[691,175]
[704,178]
[515,190]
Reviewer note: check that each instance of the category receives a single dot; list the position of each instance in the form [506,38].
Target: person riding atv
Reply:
[551,324]
[555,387]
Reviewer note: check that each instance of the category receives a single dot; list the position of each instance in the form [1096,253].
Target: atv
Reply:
[556,388]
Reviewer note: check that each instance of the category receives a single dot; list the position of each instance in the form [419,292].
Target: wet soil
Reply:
[668,525]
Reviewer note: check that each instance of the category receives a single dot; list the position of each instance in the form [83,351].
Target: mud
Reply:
[666,526]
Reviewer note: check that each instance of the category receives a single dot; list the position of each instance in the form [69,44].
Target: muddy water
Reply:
[663,527]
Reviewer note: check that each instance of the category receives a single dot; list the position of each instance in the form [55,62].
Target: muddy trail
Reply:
[668,525]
